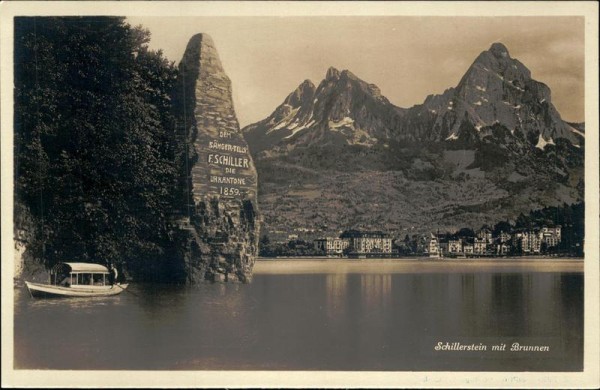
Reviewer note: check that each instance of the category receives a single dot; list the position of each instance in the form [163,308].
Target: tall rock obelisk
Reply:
[218,174]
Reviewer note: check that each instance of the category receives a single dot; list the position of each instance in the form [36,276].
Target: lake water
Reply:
[321,315]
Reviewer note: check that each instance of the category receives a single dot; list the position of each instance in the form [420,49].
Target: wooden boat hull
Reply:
[39,290]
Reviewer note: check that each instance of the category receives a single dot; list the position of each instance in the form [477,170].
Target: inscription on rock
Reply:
[229,166]
[224,166]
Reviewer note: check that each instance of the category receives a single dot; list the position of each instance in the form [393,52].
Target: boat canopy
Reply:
[90,268]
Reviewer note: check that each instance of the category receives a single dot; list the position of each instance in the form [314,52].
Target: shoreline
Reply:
[422,259]
[394,266]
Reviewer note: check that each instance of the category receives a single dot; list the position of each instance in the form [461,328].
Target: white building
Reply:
[502,248]
[455,246]
[331,246]
[434,246]
[485,234]
[468,249]
[504,237]
[367,242]
[480,245]
[530,241]
[551,236]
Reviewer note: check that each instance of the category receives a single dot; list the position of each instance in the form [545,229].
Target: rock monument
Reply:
[218,174]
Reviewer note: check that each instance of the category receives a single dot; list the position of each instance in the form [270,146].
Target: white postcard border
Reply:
[589,378]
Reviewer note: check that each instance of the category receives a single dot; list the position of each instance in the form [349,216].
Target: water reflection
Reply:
[306,321]
[336,299]
[375,289]
[81,304]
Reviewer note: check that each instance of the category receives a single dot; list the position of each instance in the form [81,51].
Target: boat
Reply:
[78,280]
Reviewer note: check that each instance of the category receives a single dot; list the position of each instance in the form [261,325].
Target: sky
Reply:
[407,57]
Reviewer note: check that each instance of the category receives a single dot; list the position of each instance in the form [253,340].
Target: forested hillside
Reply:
[95,158]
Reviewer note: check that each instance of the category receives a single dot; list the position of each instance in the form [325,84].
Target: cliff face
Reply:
[26,243]
[219,176]
[496,89]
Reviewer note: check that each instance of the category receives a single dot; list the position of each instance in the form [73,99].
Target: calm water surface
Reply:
[320,315]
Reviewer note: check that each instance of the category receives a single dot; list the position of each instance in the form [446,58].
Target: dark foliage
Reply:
[291,248]
[570,217]
[94,149]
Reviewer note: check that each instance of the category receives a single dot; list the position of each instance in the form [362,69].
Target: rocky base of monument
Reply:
[222,242]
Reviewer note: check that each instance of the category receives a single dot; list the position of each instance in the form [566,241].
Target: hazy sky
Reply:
[407,57]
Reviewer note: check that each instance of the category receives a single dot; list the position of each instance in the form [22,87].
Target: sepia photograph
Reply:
[289,194]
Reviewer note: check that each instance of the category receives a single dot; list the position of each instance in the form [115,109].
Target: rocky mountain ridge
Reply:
[489,148]
[496,89]
[342,107]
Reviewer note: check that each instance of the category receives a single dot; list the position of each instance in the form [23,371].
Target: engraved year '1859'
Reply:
[229,191]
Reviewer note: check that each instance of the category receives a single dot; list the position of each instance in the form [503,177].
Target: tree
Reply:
[523,222]
[94,156]
[264,240]
[466,232]
[266,248]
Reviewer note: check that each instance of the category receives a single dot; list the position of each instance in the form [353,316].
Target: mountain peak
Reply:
[349,75]
[497,59]
[307,84]
[498,89]
[499,50]
[332,73]
[302,95]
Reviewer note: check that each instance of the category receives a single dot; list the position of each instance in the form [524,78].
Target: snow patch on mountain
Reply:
[285,122]
[542,143]
[346,121]
[296,129]
[574,130]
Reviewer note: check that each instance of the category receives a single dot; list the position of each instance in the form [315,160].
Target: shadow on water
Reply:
[153,298]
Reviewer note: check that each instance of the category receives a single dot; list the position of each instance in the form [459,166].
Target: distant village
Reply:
[547,240]
[551,231]
[465,243]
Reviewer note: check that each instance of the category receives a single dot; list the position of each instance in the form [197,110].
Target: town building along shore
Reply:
[355,243]
[484,243]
